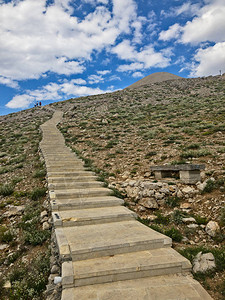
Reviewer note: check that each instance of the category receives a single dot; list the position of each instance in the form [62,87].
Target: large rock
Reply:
[149,203]
[212,228]
[14,211]
[203,262]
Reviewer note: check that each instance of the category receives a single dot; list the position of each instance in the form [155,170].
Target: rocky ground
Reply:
[120,135]
[25,222]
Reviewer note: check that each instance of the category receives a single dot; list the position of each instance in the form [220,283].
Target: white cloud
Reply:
[206,31]
[137,74]
[209,60]
[173,32]
[36,38]
[131,67]
[209,25]
[9,82]
[53,91]
[146,58]
[186,8]
[104,72]
[95,79]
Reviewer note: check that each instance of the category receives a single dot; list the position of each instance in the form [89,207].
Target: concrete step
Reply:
[66,180]
[83,203]
[82,192]
[125,266]
[69,174]
[92,216]
[92,241]
[65,168]
[167,287]
[75,185]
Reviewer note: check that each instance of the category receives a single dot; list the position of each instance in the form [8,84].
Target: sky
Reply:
[53,50]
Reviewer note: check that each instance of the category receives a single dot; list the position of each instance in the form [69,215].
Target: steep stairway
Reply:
[106,254]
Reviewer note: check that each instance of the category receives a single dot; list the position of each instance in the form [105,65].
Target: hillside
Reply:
[154,78]
[119,136]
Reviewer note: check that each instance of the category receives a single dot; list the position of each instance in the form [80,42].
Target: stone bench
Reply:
[188,173]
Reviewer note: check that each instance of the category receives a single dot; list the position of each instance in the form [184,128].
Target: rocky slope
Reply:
[120,135]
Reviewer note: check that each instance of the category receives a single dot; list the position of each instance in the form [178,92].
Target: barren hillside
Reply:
[159,120]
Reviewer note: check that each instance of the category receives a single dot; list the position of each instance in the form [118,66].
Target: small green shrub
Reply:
[40,174]
[172,201]
[38,193]
[174,233]
[6,236]
[36,237]
[210,186]
[165,220]
[29,281]
[6,189]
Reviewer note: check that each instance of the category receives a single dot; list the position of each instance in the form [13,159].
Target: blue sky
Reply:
[58,49]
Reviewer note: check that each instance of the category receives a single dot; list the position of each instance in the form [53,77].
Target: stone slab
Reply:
[82,192]
[92,216]
[168,287]
[84,202]
[128,266]
[92,241]
[181,167]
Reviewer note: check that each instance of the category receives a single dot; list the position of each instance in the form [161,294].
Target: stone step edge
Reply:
[58,222]
[90,203]
[65,251]
[183,286]
[173,267]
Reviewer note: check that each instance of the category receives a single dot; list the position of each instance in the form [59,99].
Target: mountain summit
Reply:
[153,78]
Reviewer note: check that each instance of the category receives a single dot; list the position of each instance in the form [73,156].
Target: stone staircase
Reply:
[106,253]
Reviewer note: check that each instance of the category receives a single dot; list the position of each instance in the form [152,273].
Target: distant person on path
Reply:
[40,103]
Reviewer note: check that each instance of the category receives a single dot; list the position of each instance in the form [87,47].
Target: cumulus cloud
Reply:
[173,32]
[95,79]
[209,60]
[53,91]
[37,37]
[207,26]
[145,58]
[104,72]
[137,74]
[9,82]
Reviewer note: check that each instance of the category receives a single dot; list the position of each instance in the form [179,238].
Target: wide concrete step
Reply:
[66,180]
[84,202]
[92,241]
[69,174]
[75,185]
[126,266]
[167,287]
[92,216]
[82,192]
[66,168]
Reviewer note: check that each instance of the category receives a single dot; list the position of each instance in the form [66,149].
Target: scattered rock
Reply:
[44,214]
[192,226]
[149,203]
[14,211]
[57,279]
[55,269]
[3,246]
[212,228]
[203,262]
[45,226]
[189,220]
[185,205]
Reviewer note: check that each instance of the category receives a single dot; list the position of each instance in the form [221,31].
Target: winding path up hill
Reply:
[105,252]
[153,78]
